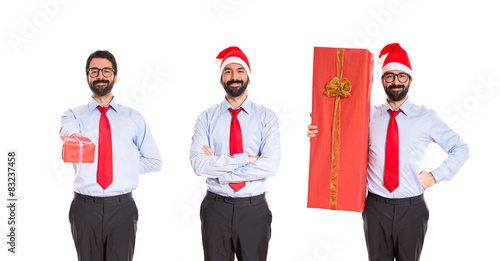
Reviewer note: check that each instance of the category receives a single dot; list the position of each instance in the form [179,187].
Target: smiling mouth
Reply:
[396,88]
[100,84]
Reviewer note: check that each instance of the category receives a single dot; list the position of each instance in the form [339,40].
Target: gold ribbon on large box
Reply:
[338,87]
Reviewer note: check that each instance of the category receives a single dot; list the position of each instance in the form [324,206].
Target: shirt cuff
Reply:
[438,175]
[241,160]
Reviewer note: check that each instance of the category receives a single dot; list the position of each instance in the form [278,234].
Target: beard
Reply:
[235,91]
[396,96]
[101,91]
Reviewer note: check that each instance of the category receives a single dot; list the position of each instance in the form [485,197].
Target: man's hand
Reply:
[208,151]
[426,179]
[252,158]
[76,135]
[312,130]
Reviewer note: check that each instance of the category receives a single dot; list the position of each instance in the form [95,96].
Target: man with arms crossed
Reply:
[103,214]
[395,215]
[236,146]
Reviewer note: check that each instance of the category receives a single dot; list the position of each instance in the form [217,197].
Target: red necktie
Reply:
[105,160]
[391,173]
[235,143]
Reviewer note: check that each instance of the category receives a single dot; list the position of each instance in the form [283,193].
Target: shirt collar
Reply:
[246,105]
[405,107]
[93,104]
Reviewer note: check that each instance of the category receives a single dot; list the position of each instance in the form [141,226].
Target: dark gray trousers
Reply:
[230,226]
[104,228]
[395,228]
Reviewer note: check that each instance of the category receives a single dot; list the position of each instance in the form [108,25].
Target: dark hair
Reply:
[102,54]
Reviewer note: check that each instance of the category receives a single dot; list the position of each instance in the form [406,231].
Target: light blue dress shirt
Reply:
[418,126]
[134,149]
[260,131]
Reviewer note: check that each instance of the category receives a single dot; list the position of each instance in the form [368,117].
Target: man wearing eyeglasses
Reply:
[395,215]
[103,214]
[236,146]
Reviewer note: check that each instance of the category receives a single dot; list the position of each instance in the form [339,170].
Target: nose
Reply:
[233,76]
[100,75]
[396,80]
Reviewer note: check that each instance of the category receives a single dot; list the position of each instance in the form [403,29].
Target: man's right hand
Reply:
[76,135]
[312,130]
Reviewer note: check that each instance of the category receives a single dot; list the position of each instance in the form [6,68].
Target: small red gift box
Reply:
[77,150]
[342,81]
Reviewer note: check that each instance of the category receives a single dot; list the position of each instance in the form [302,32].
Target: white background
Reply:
[166,51]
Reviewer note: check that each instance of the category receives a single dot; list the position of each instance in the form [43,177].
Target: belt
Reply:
[397,201]
[238,201]
[113,199]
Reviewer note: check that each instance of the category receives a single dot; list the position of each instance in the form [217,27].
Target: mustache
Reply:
[393,86]
[234,81]
[100,81]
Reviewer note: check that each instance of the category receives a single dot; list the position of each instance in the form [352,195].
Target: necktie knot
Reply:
[394,113]
[103,109]
[235,112]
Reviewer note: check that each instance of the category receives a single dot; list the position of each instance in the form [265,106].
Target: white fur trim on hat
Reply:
[396,66]
[234,59]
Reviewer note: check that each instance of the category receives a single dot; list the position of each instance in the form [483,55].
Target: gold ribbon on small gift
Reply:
[338,87]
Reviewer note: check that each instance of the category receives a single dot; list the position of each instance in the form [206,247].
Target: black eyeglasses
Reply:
[402,77]
[106,72]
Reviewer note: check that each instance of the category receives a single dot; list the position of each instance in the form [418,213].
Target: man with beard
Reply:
[395,215]
[103,214]
[236,146]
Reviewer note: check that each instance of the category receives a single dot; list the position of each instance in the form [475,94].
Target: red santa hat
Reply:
[397,59]
[234,54]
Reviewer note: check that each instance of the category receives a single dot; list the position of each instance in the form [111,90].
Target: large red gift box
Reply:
[339,152]
[77,149]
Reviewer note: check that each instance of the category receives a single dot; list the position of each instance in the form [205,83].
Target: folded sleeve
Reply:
[211,166]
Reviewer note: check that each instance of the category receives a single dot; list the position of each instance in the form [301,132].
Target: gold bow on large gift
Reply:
[338,87]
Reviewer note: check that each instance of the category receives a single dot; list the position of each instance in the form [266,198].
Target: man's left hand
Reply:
[426,179]
[207,151]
